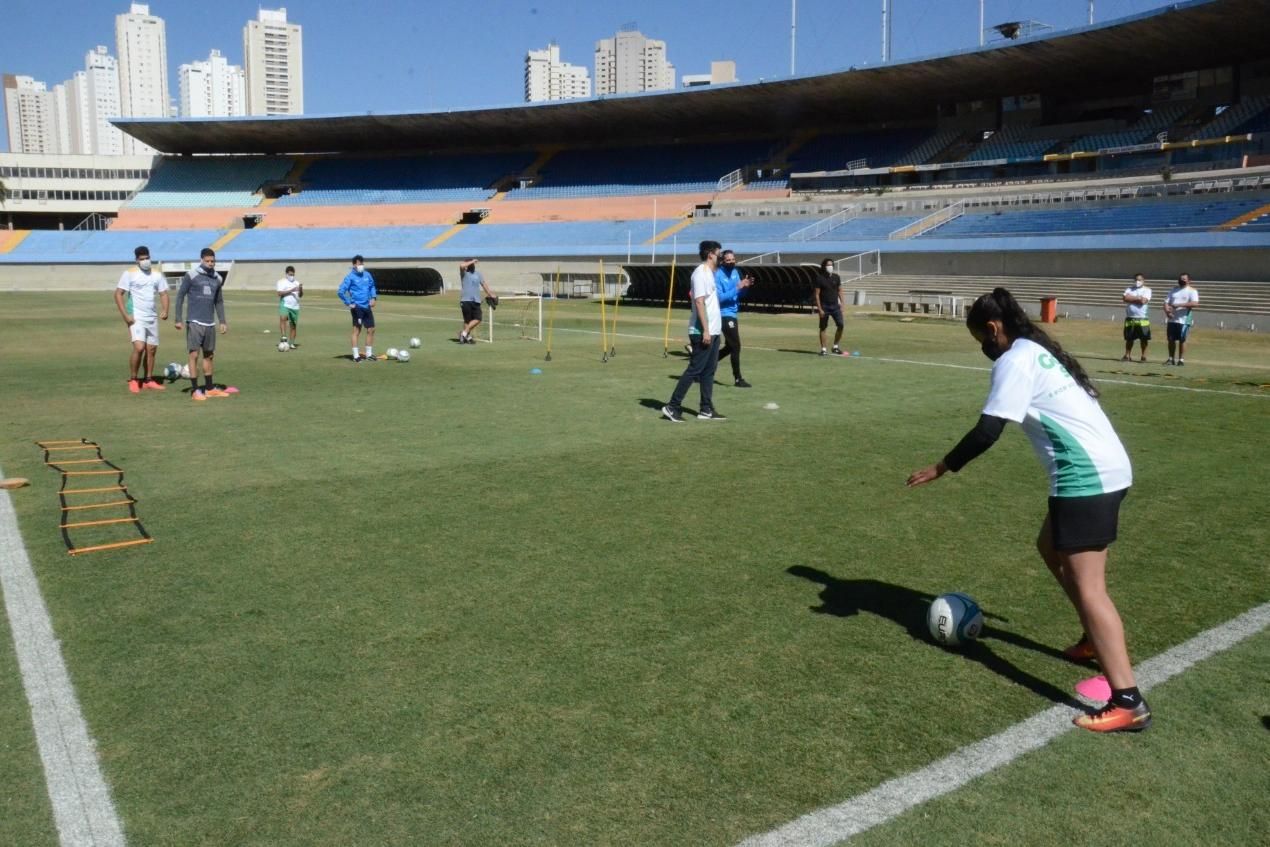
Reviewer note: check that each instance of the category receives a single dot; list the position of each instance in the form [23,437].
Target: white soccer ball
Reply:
[414,342]
[185,371]
[172,371]
[403,355]
[283,346]
[392,352]
[954,619]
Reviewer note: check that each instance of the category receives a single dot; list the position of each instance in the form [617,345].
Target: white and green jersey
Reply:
[1067,427]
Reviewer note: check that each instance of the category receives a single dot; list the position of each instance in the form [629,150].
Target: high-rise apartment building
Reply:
[212,89]
[141,41]
[629,63]
[101,100]
[30,115]
[548,78]
[273,56]
[720,73]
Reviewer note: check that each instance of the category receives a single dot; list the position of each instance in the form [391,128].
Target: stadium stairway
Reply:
[1246,217]
[445,236]
[13,239]
[670,230]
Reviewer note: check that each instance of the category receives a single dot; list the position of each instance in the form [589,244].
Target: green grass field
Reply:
[452,602]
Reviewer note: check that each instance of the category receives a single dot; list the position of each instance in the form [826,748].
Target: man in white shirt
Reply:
[135,296]
[289,294]
[1137,323]
[1178,306]
[704,328]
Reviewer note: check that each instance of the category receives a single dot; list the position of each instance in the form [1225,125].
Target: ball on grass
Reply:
[403,355]
[283,346]
[414,342]
[954,619]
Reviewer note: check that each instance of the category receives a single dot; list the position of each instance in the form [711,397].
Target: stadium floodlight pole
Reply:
[793,30]
[980,23]
[886,30]
[670,296]
[1091,12]
[604,320]
[551,318]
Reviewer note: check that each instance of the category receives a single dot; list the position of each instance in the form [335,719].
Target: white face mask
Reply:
[144,264]
[290,277]
[1137,283]
[357,268]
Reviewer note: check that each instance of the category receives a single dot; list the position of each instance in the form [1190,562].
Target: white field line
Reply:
[82,809]
[835,824]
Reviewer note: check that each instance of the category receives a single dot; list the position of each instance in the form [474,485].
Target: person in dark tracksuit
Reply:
[731,284]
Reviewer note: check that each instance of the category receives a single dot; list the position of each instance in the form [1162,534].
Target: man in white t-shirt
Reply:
[135,295]
[704,328]
[1137,323]
[289,294]
[1178,306]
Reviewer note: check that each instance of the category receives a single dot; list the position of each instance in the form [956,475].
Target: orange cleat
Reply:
[1080,652]
[1112,718]
[134,386]
[199,396]
[154,385]
[217,392]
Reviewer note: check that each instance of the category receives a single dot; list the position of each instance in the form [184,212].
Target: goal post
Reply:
[519,313]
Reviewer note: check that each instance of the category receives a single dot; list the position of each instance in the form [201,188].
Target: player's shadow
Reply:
[650,403]
[907,607]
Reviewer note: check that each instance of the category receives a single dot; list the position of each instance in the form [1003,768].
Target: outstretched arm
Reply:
[972,445]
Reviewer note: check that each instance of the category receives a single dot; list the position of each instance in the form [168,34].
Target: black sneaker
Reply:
[1181,362]
[1169,360]
[711,415]
[671,415]
[741,383]
[824,352]
[369,359]
[837,351]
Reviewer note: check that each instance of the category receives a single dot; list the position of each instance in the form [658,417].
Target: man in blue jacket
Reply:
[731,285]
[358,293]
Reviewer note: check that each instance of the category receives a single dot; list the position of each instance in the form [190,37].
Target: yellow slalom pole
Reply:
[551,318]
[604,320]
[670,296]
[617,305]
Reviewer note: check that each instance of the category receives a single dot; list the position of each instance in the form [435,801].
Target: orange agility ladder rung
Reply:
[72,441]
[77,446]
[98,523]
[90,473]
[75,551]
[98,505]
[93,490]
[75,462]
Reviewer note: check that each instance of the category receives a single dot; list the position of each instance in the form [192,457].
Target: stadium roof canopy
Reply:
[1121,56]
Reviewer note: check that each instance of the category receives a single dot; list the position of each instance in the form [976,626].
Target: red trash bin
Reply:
[1049,310]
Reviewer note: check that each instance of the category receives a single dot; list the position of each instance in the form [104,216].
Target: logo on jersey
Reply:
[1048,362]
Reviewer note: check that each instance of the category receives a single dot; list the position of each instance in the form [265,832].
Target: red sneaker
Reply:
[134,386]
[154,385]
[1111,718]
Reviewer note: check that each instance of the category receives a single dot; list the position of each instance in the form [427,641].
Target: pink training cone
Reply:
[229,389]
[1095,688]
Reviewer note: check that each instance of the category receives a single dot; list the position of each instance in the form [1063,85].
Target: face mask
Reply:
[290,278]
[727,266]
[357,268]
[1137,283]
[990,349]
[144,264]
[828,270]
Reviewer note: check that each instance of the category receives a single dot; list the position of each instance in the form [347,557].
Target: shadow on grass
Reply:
[907,607]
[650,403]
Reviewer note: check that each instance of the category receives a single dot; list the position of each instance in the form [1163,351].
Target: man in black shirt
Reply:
[828,300]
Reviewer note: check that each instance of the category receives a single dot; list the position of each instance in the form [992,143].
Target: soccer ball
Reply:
[414,342]
[172,371]
[954,619]
[283,346]
[185,371]
[403,355]
[392,352]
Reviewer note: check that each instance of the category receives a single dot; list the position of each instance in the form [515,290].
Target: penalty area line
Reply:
[835,824]
[82,808]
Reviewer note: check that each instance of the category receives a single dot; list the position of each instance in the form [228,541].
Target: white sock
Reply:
[369,354]
[354,352]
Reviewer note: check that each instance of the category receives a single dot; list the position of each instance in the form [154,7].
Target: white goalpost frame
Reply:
[525,300]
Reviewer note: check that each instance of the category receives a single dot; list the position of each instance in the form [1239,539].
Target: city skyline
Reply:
[399,58]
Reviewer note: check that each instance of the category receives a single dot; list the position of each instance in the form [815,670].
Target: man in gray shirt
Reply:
[470,299]
[203,286]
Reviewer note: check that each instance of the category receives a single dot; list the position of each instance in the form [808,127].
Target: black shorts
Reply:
[1178,332]
[1085,523]
[471,311]
[363,317]
[834,312]
[1134,331]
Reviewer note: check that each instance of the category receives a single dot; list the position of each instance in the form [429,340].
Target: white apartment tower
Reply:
[30,115]
[629,63]
[212,89]
[273,56]
[141,41]
[98,102]
[548,78]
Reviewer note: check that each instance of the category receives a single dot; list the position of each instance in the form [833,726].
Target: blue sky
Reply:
[398,56]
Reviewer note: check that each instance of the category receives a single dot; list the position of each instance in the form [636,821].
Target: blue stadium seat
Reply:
[1179,216]
[110,246]
[406,179]
[209,182]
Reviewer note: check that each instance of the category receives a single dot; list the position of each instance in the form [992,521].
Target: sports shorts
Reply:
[471,311]
[362,317]
[1178,332]
[292,315]
[1085,523]
[834,312]
[145,332]
[200,337]
[1136,329]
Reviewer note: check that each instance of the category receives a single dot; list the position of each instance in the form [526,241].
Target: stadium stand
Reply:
[332,243]
[1240,117]
[668,169]
[503,238]
[412,179]
[877,149]
[209,182]
[1010,143]
[110,246]
[1142,216]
